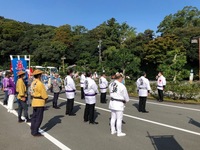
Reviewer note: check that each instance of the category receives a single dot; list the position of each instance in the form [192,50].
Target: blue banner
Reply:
[19,65]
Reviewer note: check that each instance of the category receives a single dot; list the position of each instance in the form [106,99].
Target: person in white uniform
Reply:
[143,88]
[119,96]
[70,90]
[82,80]
[103,84]
[161,83]
[90,91]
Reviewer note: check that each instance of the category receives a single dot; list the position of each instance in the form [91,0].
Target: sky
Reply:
[139,14]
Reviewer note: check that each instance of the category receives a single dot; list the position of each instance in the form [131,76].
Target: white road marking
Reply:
[46,135]
[162,124]
[141,119]
[64,147]
[167,105]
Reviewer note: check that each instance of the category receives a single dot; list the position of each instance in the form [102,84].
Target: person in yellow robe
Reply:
[39,97]
[22,97]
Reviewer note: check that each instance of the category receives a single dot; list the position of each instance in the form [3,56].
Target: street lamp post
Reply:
[63,61]
[197,40]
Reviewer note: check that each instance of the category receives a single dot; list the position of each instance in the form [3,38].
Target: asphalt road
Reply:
[167,126]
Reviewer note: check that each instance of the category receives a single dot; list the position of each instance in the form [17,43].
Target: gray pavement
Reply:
[167,126]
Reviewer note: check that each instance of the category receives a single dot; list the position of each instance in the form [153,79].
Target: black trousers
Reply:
[142,104]
[5,100]
[160,95]
[36,119]
[103,97]
[55,99]
[82,93]
[69,106]
[22,105]
[89,113]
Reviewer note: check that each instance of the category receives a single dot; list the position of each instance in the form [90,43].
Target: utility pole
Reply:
[63,62]
[199,58]
[197,40]
[99,46]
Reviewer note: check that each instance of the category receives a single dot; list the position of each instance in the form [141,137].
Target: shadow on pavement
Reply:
[136,105]
[49,100]
[164,142]
[194,122]
[46,108]
[52,122]
[76,108]
[96,114]
[62,104]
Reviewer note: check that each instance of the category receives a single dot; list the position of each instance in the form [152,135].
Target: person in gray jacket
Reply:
[56,84]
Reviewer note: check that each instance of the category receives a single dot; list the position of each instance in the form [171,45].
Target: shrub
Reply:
[180,90]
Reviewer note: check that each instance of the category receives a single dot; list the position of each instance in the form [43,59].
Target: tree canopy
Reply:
[121,48]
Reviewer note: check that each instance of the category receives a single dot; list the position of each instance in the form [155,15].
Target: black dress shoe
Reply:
[38,135]
[72,114]
[93,123]
[145,111]
[57,107]
[28,120]
[123,122]
[20,121]
[85,121]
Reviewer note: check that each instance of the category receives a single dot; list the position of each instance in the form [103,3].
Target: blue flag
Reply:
[19,65]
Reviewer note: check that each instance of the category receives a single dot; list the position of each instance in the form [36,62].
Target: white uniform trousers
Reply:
[116,118]
[11,99]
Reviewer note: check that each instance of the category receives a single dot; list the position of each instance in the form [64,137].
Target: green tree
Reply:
[173,65]
[187,17]
[167,53]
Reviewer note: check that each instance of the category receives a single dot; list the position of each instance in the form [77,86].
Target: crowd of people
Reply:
[35,94]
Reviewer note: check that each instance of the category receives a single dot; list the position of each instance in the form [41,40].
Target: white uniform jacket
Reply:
[161,82]
[119,96]
[103,84]
[143,86]
[70,87]
[90,90]
[82,80]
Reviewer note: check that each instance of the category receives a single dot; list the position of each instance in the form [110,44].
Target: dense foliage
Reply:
[121,47]
[179,91]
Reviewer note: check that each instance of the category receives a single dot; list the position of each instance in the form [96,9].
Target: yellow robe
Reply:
[39,94]
[20,89]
